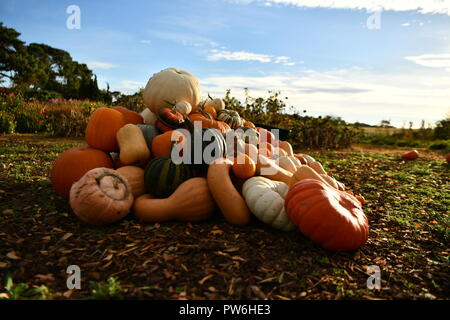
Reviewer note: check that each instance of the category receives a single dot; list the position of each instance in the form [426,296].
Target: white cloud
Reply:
[421,6]
[186,39]
[406,24]
[131,86]
[432,60]
[215,55]
[100,65]
[146,41]
[237,56]
[353,94]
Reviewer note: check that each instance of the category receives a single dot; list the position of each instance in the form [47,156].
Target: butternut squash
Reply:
[287,163]
[305,172]
[301,159]
[331,181]
[132,145]
[279,152]
[317,166]
[191,201]
[286,146]
[230,202]
[268,168]
[135,177]
[296,162]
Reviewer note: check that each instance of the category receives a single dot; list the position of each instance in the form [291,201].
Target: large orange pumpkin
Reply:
[129,115]
[102,129]
[208,122]
[330,217]
[72,164]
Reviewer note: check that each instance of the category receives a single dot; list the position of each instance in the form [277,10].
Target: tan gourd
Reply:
[132,145]
[305,172]
[191,201]
[135,177]
[230,202]
[286,162]
[286,146]
[297,162]
[331,181]
[279,152]
[317,166]
[268,168]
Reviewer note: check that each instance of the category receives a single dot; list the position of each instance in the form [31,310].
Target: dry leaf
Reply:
[13,255]
[66,236]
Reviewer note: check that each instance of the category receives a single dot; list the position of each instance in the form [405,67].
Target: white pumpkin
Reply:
[287,163]
[168,86]
[216,103]
[149,117]
[183,107]
[265,199]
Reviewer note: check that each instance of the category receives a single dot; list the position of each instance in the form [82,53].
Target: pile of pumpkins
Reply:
[129,166]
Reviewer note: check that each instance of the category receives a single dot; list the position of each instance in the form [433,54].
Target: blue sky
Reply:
[361,60]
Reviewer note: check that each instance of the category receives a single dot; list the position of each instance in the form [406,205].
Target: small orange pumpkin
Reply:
[162,144]
[249,124]
[411,155]
[210,109]
[243,166]
[72,164]
[102,129]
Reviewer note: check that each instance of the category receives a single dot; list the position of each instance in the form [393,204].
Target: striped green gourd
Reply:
[162,176]
[230,117]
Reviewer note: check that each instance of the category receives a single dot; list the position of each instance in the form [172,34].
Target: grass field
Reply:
[407,203]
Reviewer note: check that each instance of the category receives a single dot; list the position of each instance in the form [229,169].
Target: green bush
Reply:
[7,123]
[305,132]
[440,145]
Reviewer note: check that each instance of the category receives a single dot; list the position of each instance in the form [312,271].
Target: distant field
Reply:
[380,131]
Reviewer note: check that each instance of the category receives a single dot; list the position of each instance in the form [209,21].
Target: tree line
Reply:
[42,72]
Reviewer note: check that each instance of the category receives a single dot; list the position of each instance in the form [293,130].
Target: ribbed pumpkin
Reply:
[102,128]
[330,217]
[205,145]
[72,164]
[129,115]
[230,117]
[162,176]
[265,199]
